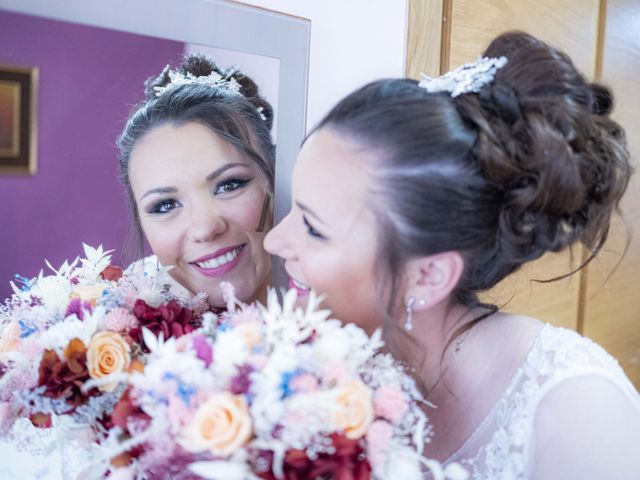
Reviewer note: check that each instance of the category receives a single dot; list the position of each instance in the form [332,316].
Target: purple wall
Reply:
[89,80]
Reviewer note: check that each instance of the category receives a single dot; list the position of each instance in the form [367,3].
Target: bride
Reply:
[411,198]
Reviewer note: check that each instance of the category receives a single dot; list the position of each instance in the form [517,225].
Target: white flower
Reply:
[404,463]
[289,323]
[230,351]
[59,335]
[235,468]
[65,269]
[150,283]
[92,266]
[54,292]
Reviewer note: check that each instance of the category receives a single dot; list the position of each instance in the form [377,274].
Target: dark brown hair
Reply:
[244,121]
[531,163]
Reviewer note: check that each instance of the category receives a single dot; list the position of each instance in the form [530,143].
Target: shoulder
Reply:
[587,426]
[564,353]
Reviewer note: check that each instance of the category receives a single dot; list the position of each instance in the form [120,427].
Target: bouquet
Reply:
[273,392]
[69,340]
[168,389]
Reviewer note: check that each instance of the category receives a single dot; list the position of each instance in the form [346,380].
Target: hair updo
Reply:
[531,163]
[244,120]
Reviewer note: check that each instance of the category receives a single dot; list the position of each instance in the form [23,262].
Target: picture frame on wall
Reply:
[18,126]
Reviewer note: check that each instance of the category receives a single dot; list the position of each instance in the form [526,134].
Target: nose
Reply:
[278,241]
[205,223]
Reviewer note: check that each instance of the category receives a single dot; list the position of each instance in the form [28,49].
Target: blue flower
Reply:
[26,283]
[26,329]
[285,385]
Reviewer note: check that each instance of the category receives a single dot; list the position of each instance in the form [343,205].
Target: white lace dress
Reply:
[569,412]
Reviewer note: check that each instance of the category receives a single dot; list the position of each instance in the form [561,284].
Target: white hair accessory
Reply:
[470,77]
[225,85]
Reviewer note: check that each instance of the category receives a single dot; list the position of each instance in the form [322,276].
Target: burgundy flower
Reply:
[63,378]
[124,414]
[125,410]
[112,272]
[347,463]
[170,319]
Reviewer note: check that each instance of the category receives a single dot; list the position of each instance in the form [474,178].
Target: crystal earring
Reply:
[408,325]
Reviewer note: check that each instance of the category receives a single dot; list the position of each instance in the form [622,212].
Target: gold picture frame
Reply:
[18,126]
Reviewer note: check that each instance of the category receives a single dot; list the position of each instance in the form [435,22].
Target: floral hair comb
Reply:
[470,77]
[226,85]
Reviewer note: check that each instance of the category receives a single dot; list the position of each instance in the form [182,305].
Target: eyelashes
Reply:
[230,185]
[312,231]
[222,189]
[163,206]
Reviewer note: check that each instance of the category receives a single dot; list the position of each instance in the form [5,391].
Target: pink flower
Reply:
[77,306]
[203,349]
[119,320]
[258,361]
[123,473]
[304,382]
[335,373]
[378,439]
[390,403]
[178,412]
[249,315]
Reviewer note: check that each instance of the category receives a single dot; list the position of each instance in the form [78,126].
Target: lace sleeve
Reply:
[587,427]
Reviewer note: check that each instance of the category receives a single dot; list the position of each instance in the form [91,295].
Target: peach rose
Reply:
[89,293]
[221,425]
[108,353]
[250,333]
[355,408]
[10,337]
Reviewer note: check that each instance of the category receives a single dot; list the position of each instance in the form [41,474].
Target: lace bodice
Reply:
[564,378]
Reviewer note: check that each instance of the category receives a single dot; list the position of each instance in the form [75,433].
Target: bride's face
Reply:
[199,201]
[328,239]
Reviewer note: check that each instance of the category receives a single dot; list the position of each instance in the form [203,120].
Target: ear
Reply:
[431,279]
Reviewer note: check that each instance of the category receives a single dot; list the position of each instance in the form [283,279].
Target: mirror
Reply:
[92,59]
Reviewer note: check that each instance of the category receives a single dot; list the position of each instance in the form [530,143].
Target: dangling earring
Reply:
[408,326]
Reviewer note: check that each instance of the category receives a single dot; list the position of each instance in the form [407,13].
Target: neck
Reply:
[430,348]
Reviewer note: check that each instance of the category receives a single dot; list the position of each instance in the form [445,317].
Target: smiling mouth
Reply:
[301,288]
[220,260]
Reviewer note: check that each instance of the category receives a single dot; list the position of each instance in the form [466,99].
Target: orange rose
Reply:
[355,408]
[108,353]
[221,425]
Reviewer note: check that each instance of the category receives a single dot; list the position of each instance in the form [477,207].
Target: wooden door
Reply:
[612,295]
[602,37]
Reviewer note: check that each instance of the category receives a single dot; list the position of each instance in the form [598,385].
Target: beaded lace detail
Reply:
[502,445]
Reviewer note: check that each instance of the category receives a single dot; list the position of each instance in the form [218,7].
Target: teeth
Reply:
[300,285]
[221,260]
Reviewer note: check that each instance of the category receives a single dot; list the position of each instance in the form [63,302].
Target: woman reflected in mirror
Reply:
[197,160]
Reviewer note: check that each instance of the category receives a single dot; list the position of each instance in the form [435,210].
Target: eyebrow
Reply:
[306,209]
[212,176]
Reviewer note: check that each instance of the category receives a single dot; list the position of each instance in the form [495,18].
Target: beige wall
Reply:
[352,42]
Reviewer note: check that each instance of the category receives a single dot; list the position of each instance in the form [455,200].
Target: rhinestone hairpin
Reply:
[224,84]
[470,77]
